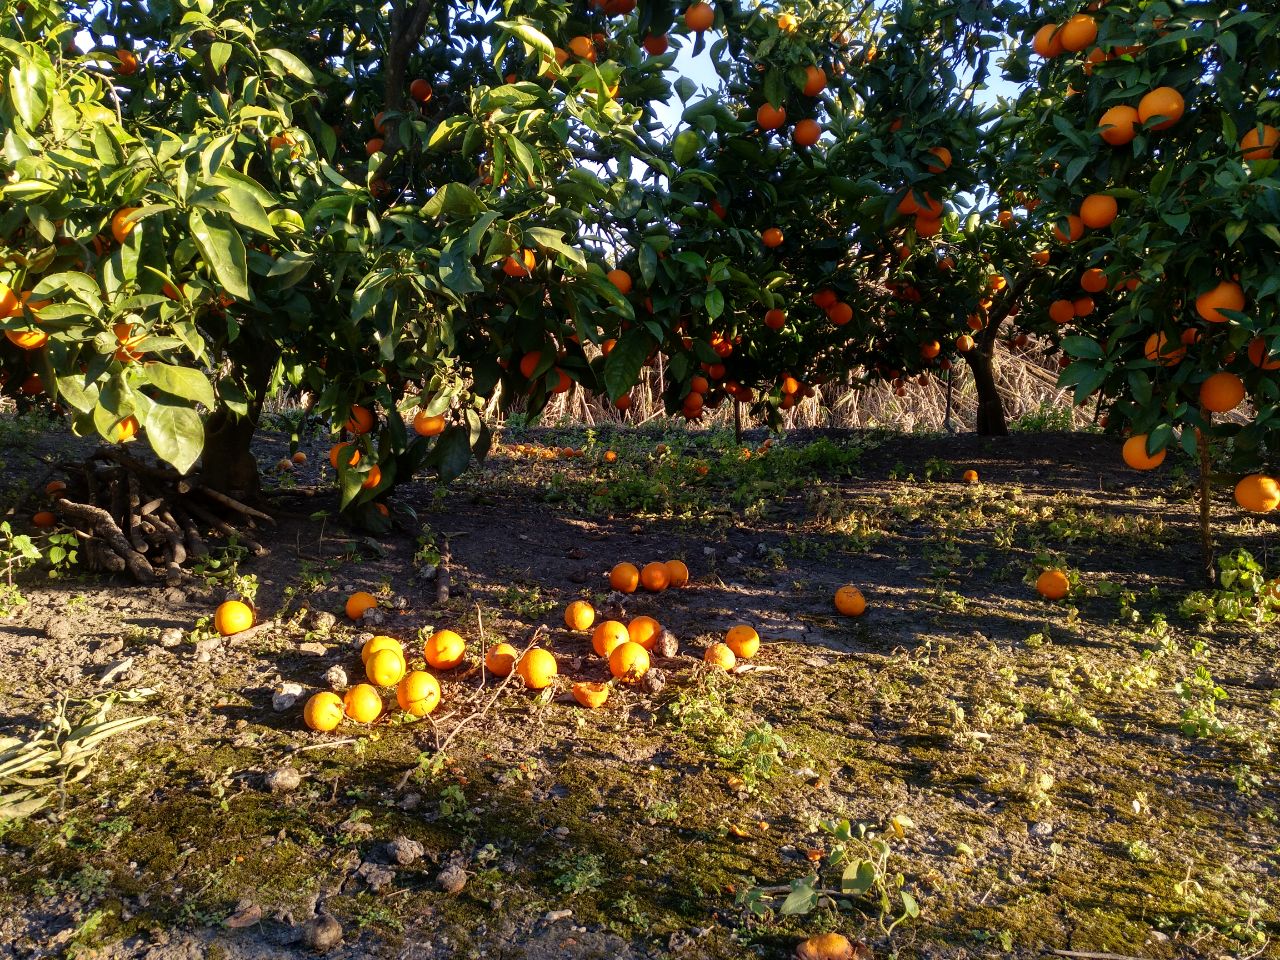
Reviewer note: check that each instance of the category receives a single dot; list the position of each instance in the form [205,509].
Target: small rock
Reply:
[285,696]
[578,576]
[404,851]
[378,877]
[246,915]
[175,596]
[336,678]
[653,681]
[410,801]
[108,648]
[321,933]
[373,617]
[206,648]
[666,646]
[577,553]
[170,637]
[321,620]
[452,878]
[314,648]
[282,780]
[59,628]
[399,603]
[708,551]
[1042,828]
[562,833]
[116,671]
[554,915]
[426,572]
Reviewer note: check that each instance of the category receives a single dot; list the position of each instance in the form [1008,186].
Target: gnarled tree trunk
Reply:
[991,419]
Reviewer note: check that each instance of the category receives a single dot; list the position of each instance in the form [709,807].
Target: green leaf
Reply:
[224,251]
[802,899]
[247,211]
[29,93]
[452,452]
[714,301]
[176,434]
[284,63]
[859,877]
[455,199]
[554,240]
[622,366]
[184,382]
[1082,347]
[456,271]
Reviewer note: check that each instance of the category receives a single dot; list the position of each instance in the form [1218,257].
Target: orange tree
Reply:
[404,209]
[1160,175]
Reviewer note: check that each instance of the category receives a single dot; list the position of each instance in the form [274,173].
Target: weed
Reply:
[578,873]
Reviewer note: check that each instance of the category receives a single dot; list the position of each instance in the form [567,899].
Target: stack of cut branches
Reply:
[148,520]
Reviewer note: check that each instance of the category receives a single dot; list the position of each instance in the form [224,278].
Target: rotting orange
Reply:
[500,659]
[629,662]
[579,615]
[720,655]
[233,616]
[644,631]
[624,577]
[537,668]
[850,601]
[323,711]
[444,650]
[743,640]
[970,476]
[418,693]
[358,603]
[593,696]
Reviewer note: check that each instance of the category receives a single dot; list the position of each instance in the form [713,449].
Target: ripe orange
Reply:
[970,476]
[27,339]
[815,81]
[374,145]
[699,17]
[624,577]
[425,425]
[375,644]
[1222,392]
[323,711]
[1227,295]
[420,90]
[1259,143]
[607,635]
[775,319]
[629,662]
[677,573]
[644,631]
[1162,102]
[126,429]
[360,421]
[719,655]
[1062,311]
[520,263]
[372,478]
[769,117]
[591,695]
[620,279]
[1078,32]
[54,487]
[1119,125]
[358,603]
[579,615]
[444,650]
[1258,493]
[1083,306]
[943,161]
[806,133]
[1160,349]
[121,223]
[1093,280]
[537,668]
[126,63]
[1074,231]
[743,641]
[772,237]
[1048,41]
[45,519]
[1098,211]
[656,44]
[1260,356]
[583,48]
[500,659]
[654,577]
[385,668]
[232,617]
[418,693]
[840,314]
[964,343]
[336,451]
[362,703]
[850,601]
[1053,585]
[1136,456]
[299,458]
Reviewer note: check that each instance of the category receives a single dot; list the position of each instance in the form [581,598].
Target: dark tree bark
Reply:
[228,464]
[991,419]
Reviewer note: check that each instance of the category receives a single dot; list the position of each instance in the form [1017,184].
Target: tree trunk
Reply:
[991,419]
[228,464]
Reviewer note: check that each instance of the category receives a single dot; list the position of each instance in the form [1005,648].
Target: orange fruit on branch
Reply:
[815,81]
[1222,392]
[1258,493]
[1098,211]
[699,17]
[1048,42]
[769,117]
[428,425]
[1119,125]
[1259,142]
[1227,295]
[1136,456]
[806,133]
[1078,32]
[1163,102]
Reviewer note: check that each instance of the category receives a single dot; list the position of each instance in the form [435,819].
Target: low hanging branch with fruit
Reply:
[146,520]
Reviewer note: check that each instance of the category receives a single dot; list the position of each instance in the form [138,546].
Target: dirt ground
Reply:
[964,771]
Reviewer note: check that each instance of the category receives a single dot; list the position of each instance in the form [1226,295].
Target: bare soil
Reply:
[1036,776]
